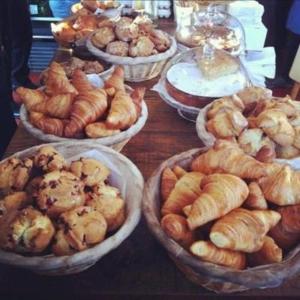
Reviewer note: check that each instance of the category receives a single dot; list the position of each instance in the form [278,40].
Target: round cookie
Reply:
[59,191]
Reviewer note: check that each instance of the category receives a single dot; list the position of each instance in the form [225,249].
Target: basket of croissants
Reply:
[265,127]
[70,110]
[228,221]
[135,44]
[62,208]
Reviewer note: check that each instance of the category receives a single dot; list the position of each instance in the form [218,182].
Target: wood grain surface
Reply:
[140,268]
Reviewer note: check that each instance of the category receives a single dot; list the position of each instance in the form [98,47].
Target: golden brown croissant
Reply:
[81,82]
[40,107]
[30,97]
[99,129]
[288,106]
[276,125]
[179,172]
[167,184]
[282,187]
[255,199]
[116,80]
[227,123]
[236,162]
[137,96]
[225,103]
[57,81]
[221,193]
[122,113]
[59,106]
[287,232]
[207,251]
[47,125]
[175,226]
[88,107]
[185,192]
[269,253]
[64,32]
[254,94]
[243,230]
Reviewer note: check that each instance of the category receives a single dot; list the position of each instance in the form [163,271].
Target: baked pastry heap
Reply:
[88,7]
[231,209]
[59,208]
[263,126]
[134,38]
[77,109]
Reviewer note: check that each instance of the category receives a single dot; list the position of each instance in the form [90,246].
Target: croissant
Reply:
[81,82]
[57,81]
[227,123]
[99,129]
[225,104]
[276,125]
[288,106]
[30,97]
[269,253]
[287,152]
[47,125]
[116,80]
[287,232]
[122,113]
[185,192]
[63,31]
[255,199]
[175,227]
[236,162]
[207,251]
[221,193]
[168,182]
[88,107]
[282,187]
[40,107]
[243,230]
[137,96]
[59,106]
[254,94]
[179,172]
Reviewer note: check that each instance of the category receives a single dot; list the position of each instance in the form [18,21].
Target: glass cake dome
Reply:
[213,27]
[195,77]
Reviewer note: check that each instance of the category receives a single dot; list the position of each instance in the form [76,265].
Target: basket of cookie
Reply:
[228,221]
[107,112]
[62,208]
[135,44]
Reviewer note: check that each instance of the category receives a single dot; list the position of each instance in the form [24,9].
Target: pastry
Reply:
[220,194]
[116,80]
[207,251]
[61,246]
[93,67]
[88,22]
[243,230]
[107,201]
[59,106]
[226,124]
[14,202]
[269,253]
[276,125]
[82,227]
[31,97]
[14,174]
[167,184]
[91,5]
[179,172]
[236,162]
[90,171]
[64,31]
[48,159]
[160,40]
[118,48]
[175,226]
[287,152]
[254,94]
[186,191]
[142,46]
[89,106]
[137,97]
[126,30]
[102,37]
[59,191]
[99,130]
[30,231]
[81,82]
[256,198]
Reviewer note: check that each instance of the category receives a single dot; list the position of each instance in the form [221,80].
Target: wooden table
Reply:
[140,268]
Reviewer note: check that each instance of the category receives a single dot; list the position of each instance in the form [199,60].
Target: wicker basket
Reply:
[64,265]
[213,277]
[117,141]
[137,69]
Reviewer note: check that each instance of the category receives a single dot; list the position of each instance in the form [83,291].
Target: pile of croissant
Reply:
[48,206]
[76,109]
[264,127]
[128,37]
[88,7]
[231,209]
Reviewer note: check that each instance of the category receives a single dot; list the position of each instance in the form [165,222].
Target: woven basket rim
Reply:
[91,254]
[131,60]
[265,276]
